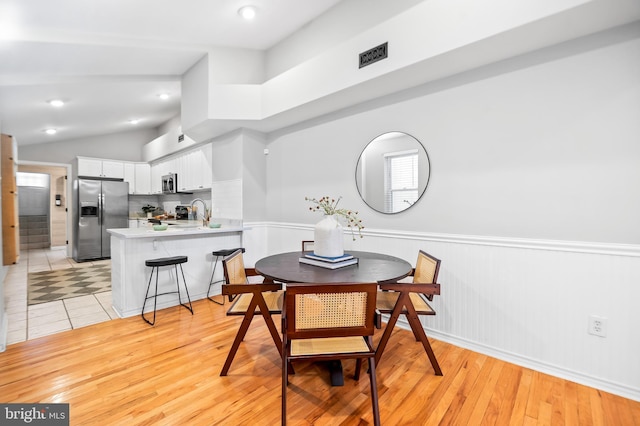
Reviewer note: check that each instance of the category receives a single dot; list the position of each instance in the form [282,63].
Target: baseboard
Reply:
[553,370]
[164,304]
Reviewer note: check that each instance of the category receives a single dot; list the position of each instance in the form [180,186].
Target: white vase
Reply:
[328,237]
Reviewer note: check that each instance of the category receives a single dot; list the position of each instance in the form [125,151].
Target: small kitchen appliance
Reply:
[182,213]
[170,183]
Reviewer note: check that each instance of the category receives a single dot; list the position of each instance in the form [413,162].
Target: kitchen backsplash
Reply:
[167,202]
[227,196]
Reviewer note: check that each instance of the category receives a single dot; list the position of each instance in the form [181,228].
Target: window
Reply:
[401,180]
[39,180]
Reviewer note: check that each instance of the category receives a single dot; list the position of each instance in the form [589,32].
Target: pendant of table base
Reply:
[155,265]
[218,255]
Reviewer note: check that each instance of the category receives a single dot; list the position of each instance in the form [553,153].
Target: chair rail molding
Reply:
[612,249]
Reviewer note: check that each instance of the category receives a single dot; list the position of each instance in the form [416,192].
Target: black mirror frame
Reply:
[420,145]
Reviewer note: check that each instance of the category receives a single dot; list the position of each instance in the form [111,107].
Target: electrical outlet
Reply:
[597,326]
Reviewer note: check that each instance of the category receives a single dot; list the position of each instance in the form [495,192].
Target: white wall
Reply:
[221,67]
[195,94]
[170,125]
[541,146]
[240,155]
[126,146]
[343,21]
[254,182]
[533,202]
[236,66]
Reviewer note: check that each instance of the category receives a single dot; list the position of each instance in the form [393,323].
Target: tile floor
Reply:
[30,322]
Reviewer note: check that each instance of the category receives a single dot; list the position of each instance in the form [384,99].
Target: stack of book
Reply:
[329,262]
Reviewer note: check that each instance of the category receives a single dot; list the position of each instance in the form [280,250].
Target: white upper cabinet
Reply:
[130,176]
[96,167]
[139,177]
[193,168]
[199,168]
[143,178]
[185,172]
[89,167]
[156,183]
[113,169]
[197,172]
[158,170]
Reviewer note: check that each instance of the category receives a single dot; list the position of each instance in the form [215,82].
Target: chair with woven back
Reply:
[411,299]
[263,298]
[334,321]
[307,245]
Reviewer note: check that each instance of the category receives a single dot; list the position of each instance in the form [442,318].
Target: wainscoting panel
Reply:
[524,301]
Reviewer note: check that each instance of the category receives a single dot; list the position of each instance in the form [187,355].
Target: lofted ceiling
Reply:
[109,60]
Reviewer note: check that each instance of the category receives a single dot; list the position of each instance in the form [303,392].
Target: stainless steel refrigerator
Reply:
[100,205]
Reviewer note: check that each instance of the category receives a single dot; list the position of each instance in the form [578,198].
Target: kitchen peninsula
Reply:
[131,247]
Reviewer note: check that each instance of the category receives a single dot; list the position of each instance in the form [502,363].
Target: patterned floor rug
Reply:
[66,283]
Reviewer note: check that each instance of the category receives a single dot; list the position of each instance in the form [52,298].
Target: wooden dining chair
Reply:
[307,245]
[334,321]
[411,299]
[263,298]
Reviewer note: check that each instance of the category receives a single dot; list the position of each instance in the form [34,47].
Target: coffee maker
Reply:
[182,213]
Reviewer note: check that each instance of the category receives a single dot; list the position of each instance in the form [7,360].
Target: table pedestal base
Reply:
[335,369]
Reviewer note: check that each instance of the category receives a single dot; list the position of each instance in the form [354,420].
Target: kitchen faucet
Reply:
[205,215]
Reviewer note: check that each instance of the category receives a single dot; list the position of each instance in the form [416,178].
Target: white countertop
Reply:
[173,231]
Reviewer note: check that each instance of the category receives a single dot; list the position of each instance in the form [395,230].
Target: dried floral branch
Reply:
[329,206]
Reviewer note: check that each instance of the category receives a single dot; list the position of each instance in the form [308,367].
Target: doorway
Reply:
[33,210]
[45,207]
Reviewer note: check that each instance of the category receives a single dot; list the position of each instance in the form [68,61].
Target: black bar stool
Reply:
[218,255]
[155,265]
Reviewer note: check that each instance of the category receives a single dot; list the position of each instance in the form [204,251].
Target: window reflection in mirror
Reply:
[392,172]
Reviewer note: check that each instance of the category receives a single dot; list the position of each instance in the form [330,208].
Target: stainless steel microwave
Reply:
[170,183]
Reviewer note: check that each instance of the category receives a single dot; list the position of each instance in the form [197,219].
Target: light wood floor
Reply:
[124,372]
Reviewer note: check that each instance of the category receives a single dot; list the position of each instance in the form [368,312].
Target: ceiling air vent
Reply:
[373,55]
[180,138]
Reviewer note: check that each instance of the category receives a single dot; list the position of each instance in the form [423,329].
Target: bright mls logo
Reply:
[34,414]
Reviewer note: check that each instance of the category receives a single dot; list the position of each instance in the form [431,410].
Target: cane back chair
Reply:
[262,298]
[334,321]
[411,300]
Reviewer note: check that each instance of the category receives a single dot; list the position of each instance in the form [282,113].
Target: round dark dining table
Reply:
[371,267]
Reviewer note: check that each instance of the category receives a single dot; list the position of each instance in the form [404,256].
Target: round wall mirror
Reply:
[392,172]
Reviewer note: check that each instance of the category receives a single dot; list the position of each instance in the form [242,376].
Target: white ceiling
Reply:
[110,59]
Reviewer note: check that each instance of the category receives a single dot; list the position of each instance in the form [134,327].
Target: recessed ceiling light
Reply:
[134,121]
[163,96]
[56,103]
[247,12]
[51,131]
